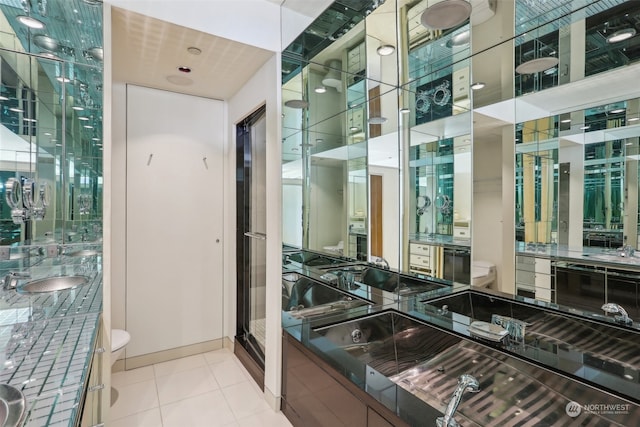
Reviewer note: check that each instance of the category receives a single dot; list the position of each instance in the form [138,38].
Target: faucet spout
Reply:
[466,382]
[613,308]
[11,279]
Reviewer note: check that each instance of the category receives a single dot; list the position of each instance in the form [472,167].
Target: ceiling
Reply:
[148,52]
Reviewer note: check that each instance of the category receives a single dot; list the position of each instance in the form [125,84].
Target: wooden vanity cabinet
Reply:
[316,395]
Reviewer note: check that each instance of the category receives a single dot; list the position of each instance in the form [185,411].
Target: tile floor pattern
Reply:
[207,390]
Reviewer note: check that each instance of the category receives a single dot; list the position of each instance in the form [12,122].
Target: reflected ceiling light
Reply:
[78,108]
[16,109]
[96,53]
[354,128]
[446,14]
[320,89]
[93,2]
[617,110]
[88,127]
[3,98]
[585,127]
[385,50]
[46,42]
[621,35]
[29,120]
[194,50]
[551,71]
[333,77]
[405,111]
[377,120]
[537,65]
[47,134]
[296,103]
[83,118]
[478,85]
[50,55]
[30,22]
[633,119]
[460,39]
[184,69]
[565,121]
[95,139]
[63,79]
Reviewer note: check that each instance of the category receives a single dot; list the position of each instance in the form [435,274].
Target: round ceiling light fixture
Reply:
[446,14]
[184,69]
[46,42]
[50,55]
[565,121]
[320,89]
[460,39]
[96,53]
[77,108]
[478,85]
[377,120]
[31,22]
[63,79]
[296,103]
[621,35]
[385,50]
[617,111]
[537,65]
[179,80]
[194,50]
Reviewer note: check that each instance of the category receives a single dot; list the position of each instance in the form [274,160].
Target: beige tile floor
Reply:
[206,390]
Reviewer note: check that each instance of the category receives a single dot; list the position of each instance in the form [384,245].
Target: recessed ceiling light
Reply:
[354,128]
[47,134]
[585,127]
[633,119]
[83,118]
[184,69]
[621,35]
[460,39]
[446,14]
[29,120]
[30,22]
[628,143]
[477,85]
[88,127]
[565,121]
[3,98]
[377,120]
[537,65]
[194,50]
[95,139]
[405,111]
[385,50]
[296,103]
[78,108]
[46,42]
[617,110]
[62,79]
[179,80]
[320,89]
[16,109]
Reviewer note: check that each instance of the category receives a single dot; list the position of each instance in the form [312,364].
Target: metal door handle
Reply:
[256,235]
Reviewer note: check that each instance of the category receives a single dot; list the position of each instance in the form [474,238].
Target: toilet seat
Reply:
[119,339]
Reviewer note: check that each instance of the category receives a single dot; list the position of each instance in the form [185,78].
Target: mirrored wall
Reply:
[51,121]
[437,146]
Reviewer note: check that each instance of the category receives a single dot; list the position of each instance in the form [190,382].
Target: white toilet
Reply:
[119,340]
[483,274]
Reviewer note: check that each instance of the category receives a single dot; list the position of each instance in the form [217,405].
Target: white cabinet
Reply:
[421,258]
[534,276]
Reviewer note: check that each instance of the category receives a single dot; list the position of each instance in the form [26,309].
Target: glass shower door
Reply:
[251,234]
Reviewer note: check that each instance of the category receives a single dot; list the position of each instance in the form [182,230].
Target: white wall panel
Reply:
[174,282]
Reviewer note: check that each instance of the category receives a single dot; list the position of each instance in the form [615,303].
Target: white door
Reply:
[174,282]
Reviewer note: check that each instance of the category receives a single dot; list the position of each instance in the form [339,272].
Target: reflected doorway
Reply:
[251,242]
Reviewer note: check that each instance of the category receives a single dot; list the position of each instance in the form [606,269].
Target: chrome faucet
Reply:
[626,251]
[11,279]
[466,382]
[613,308]
[381,260]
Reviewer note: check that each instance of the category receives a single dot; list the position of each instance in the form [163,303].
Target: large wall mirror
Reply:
[510,133]
[51,122]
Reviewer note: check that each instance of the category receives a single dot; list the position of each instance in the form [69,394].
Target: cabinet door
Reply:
[376,420]
[580,286]
[313,398]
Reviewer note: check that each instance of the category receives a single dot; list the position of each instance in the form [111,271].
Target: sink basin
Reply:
[51,284]
[312,260]
[12,406]
[84,253]
[310,298]
[394,282]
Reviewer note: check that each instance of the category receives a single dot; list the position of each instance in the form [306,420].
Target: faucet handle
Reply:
[11,279]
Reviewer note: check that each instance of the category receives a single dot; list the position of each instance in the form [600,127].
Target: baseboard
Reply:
[272,400]
[118,366]
[171,354]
